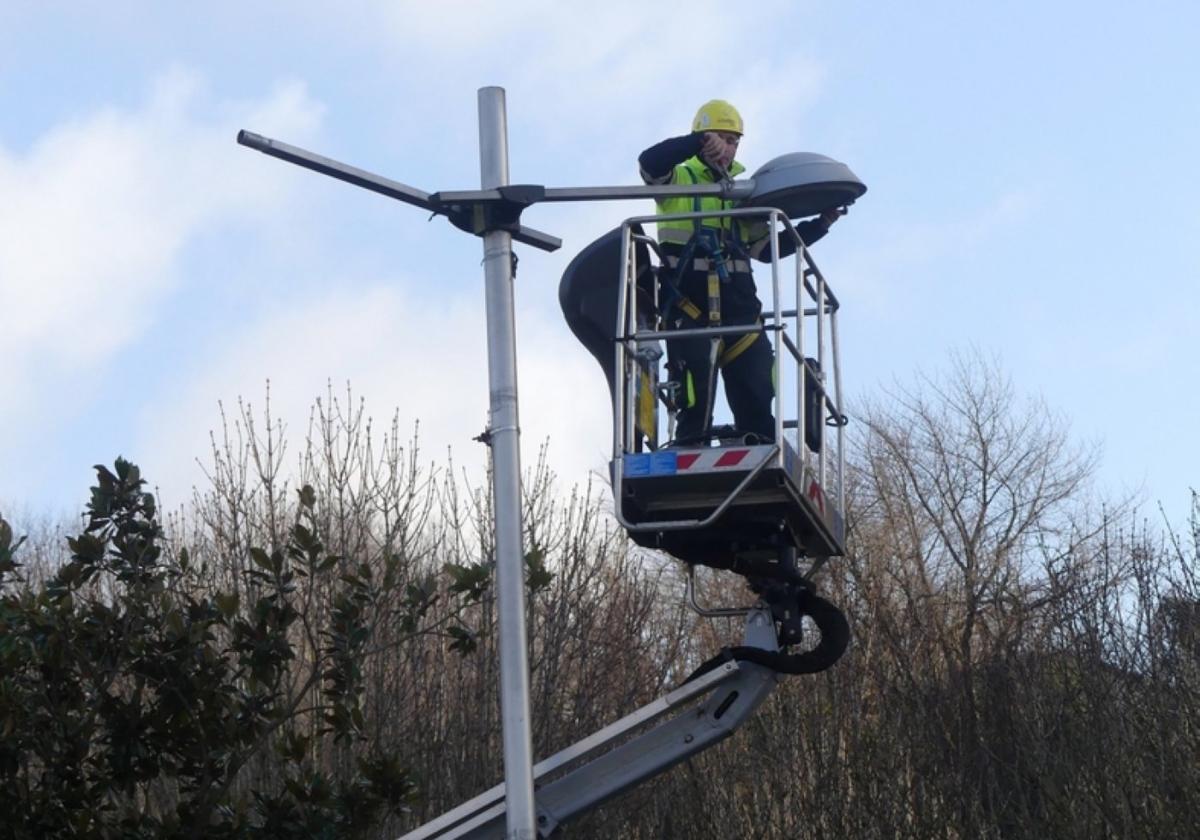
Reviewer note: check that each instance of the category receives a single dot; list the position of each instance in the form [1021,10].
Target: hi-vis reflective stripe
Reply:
[702,264]
[680,236]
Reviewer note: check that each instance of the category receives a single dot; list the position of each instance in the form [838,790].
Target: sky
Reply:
[1032,196]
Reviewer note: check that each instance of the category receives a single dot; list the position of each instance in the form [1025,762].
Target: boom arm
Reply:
[732,692]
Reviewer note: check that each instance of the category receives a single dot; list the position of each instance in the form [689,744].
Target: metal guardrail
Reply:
[813,301]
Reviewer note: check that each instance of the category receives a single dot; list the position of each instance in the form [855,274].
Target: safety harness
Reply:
[704,248]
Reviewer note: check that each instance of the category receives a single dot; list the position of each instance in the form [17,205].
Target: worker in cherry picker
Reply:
[707,280]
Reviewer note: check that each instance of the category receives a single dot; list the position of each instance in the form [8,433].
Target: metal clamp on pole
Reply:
[483,215]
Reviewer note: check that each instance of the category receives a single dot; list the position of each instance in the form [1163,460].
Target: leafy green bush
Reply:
[137,701]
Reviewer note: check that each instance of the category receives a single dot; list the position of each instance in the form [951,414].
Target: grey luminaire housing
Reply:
[804,184]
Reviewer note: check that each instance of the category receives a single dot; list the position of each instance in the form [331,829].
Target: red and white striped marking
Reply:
[704,460]
[817,496]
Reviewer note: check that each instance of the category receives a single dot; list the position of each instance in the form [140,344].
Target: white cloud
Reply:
[95,217]
[612,78]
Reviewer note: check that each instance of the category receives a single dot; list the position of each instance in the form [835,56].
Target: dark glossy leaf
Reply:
[537,576]
[308,497]
[262,559]
[464,641]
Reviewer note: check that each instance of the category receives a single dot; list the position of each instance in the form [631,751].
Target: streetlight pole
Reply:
[504,438]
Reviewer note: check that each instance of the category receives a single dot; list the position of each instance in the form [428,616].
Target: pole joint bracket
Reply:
[500,211]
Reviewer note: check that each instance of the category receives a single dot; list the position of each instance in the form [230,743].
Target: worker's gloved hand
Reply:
[716,149]
[711,147]
[830,216]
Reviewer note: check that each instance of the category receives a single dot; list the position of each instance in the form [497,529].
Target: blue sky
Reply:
[1033,194]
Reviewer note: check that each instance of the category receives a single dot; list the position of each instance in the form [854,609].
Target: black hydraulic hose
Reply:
[835,638]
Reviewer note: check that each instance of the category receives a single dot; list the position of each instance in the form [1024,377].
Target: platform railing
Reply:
[811,318]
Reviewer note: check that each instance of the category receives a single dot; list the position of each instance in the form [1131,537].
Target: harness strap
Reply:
[739,347]
[714,299]
[690,309]
[695,201]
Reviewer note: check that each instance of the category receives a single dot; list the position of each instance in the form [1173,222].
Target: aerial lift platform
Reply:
[727,500]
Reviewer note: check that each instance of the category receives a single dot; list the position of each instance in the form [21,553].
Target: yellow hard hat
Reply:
[717,115]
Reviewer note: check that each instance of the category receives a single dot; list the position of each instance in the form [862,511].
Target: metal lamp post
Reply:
[504,436]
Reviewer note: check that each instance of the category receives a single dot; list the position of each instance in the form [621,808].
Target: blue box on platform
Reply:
[662,462]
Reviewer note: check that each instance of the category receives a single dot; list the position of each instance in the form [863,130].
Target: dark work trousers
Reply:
[749,386]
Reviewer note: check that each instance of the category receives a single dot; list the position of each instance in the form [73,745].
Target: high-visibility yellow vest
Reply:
[693,171]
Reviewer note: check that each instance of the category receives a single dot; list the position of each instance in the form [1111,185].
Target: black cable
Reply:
[835,638]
